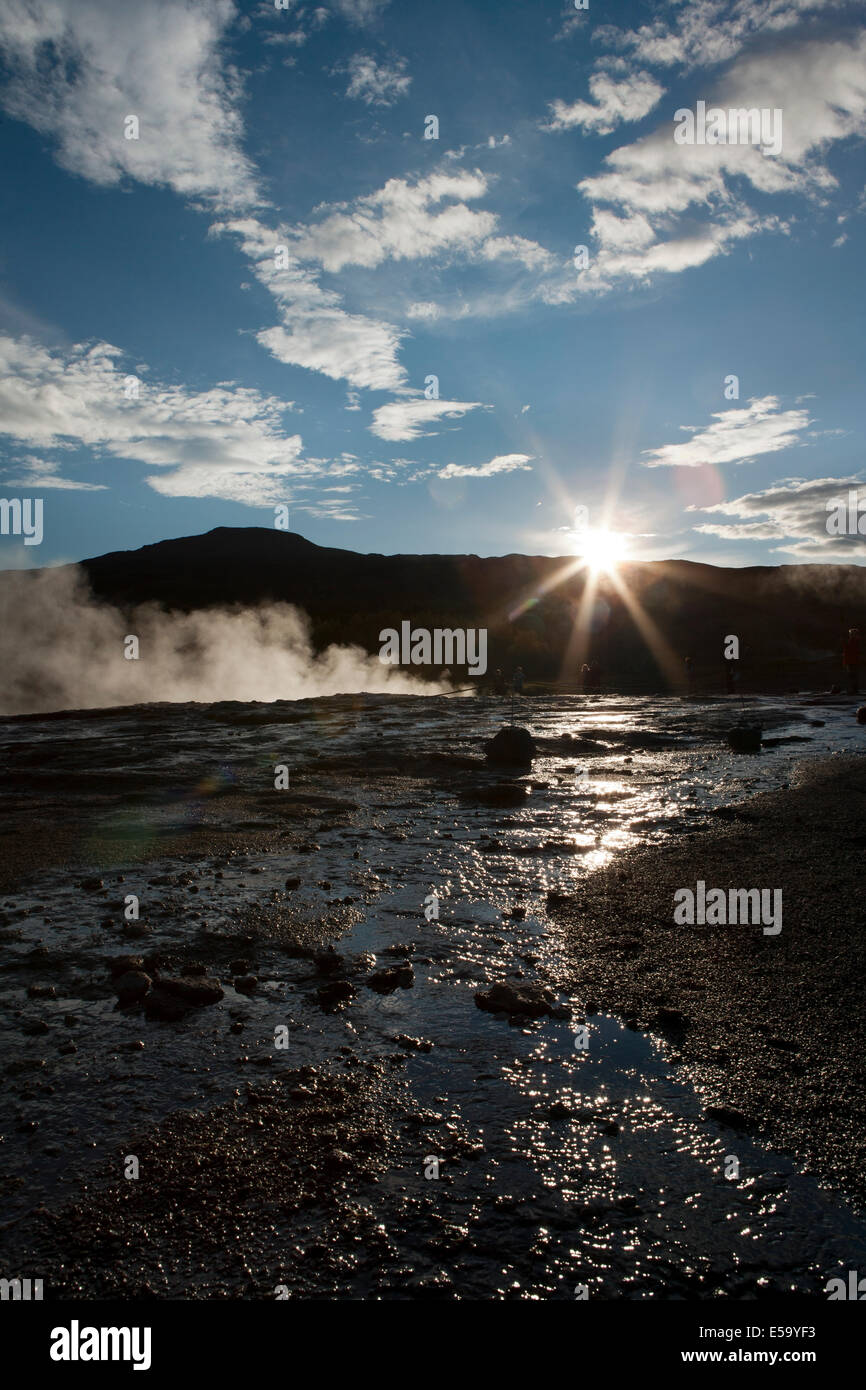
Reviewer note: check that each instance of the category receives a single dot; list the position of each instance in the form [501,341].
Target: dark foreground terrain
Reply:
[330,1093]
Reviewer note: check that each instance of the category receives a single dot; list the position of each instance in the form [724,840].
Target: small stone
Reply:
[34,1027]
[393,977]
[526,1001]
[336,995]
[132,986]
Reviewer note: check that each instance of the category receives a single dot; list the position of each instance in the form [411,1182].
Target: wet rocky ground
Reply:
[413,1026]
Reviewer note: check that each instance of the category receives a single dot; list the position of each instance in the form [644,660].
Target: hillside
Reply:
[790,619]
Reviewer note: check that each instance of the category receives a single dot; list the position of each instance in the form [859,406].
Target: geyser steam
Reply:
[60,648]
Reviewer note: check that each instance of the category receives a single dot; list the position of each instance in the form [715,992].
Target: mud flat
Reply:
[771,1029]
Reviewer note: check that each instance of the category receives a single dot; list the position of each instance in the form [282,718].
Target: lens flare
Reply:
[600,550]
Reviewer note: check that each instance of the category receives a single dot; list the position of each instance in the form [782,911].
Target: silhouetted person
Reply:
[851,660]
[690,674]
[517,681]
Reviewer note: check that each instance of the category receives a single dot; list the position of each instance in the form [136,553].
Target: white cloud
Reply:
[41,473]
[736,436]
[406,419]
[377,84]
[518,248]
[503,463]
[401,221]
[76,71]
[704,33]
[661,206]
[795,513]
[615,100]
[316,331]
[226,442]
[360,12]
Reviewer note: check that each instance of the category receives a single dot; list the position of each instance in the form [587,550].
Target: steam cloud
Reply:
[60,648]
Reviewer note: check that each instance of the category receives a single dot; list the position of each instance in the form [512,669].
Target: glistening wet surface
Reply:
[587,1160]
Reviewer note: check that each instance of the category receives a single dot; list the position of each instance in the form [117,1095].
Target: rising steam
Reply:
[60,648]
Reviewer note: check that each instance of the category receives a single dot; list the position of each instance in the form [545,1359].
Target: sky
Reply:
[327,257]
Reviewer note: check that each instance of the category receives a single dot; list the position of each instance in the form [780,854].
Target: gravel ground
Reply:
[770,1028]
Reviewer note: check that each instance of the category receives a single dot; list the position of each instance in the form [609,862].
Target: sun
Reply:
[600,549]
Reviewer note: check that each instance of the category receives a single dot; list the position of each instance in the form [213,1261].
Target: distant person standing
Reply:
[732,676]
[690,674]
[517,681]
[851,660]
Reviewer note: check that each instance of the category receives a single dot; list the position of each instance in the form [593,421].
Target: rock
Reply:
[401,948]
[196,989]
[745,738]
[559,1110]
[336,995]
[34,1027]
[861,715]
[236,1027]
[91,885]
[169,1008]
[67,1048]
[500,794]
[327,962]
[726,1115]
[41,992]
[337,1161]
[121,964]
[391,978]
[241,966]
[524,1001]
[246,984]
[131,986]
[413,1044]
[673,1019]
[512,746]
[554,899]
[135,929]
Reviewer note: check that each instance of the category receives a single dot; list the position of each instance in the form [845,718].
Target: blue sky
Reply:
[244,306]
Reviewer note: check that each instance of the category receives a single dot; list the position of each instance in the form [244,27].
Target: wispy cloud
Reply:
[377,84]
[405,419]
[736,436]
[226,442]
[401,221]
[659,206]
[360,12]
[503,463]
[40,474]
[76,72]
[793,512]
[705,33]
[316,331]
[615,100]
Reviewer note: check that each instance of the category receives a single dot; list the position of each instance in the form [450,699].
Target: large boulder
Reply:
[512,746]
